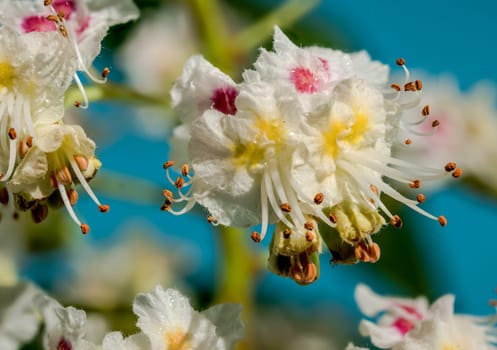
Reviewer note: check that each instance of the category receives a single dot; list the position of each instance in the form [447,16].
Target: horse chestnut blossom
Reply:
[411,324]
[304,140]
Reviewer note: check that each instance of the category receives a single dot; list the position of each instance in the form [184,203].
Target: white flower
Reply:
[170,323]
[65,327]
[408,324]
[18,319]
[60,156]
[351,346]
[305,138]
[467,131]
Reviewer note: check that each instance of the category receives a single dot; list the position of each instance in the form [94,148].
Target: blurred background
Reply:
[135,245]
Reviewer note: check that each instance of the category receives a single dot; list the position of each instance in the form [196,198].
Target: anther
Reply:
[184,170]
[318,198]
[179,182]
[53,18]
[374,189]
[435,123]
[4,196]
[165,206]
[419,84]
[396,221]
[309,236]
[400,61]
[168,195]
[63,31]
[408,141]
[374,252]
[15,215]
[457,173]
[77,104]
[361,253]
[333,218]
[81,161]
[256,237]
[39,213]
[286,233]
[12,133]
[492,302]
[47,2]
[426,110]
[211,219]
[85,229]
[309,225]
[396,87]
[415,184]
[450,166]
[72,194]
[410,86]
[442,220]
[104,208]
[285,207]
[420,198]
[61,15]
[105,72]
[168,164]
[29,141]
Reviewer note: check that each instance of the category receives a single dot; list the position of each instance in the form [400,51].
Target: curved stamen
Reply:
[84,183]
[272,200]
[81,88]
[264,210]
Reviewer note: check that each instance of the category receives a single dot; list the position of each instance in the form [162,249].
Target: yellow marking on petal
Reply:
[358,129]
[331,137]
[178,340]
[340,131]
[7,74]
[450,347]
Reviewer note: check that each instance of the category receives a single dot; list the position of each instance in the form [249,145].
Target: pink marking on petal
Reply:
[411,310]
[304,80]
[403,325]
[326,67]
[64,344]
[223,99]
[37,24]
[65,6]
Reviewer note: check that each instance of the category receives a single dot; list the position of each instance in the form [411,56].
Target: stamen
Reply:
[184,170]
[256,237]
[73,196]
[435,123]
[105,72]
[47,2]
[83,93]
[400,61]
[168,164]
[211,219]
[272,200]
[396,221]
[4,196]
[418,84]
[309,226]
[12,134]
[420,198]
[63,194]
[81,161]
[53,18]
[104,208]
[457,173]
[286,207]
[85,228]
[415,184]
[333,218]
[264,210]
[396,87]
[410,86]
[450,166]
[408,141]
[318,198]
[426,110]
[442,220]
[309,236]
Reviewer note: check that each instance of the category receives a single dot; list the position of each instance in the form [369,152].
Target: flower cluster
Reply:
[165,317]
[411,324]
[303,141]
[43,45]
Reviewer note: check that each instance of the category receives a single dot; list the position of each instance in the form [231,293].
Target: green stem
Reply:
[237,270]
[284,16]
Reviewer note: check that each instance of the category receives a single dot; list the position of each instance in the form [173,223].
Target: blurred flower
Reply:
[18,319]
[467,131]
[168,322]
[304,139]
[409,324]
[107,277]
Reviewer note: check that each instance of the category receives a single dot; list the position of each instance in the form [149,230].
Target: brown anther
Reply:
[63,31]
[408,141]
[361,253]
[15,215]
[61,15]
[29,141]
[304,274]
[72,194]
[166,206]
[53,180]
[104,208]
[400,61]
[47,2]
[286,233]
[211,219]
[53,18]
[22,148]
[85,229]
[81,161]
[457,173]
[333,218]
[318,198]
[435,123]
[492,302]
[39,213]
[63,176]
[415,184]
[168,164]
[105,72]
[442,221]
[168,195]
[396,87]
[410,86]
[419,84]
[4,196]
[77,104]
[374,252]
[285,207]
[309,236]
[396,221]
[426,110]
[450,166]
[374,189]
[256,237]
[184,169]
[12,133]
[420,198]
[309,225]
[179,182]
